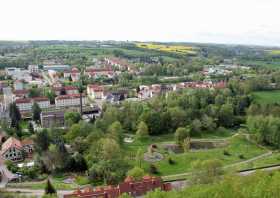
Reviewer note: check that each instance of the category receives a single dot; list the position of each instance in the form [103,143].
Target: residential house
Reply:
[12,150]
[99,72]
[74,73]
[28,146]
[95,92]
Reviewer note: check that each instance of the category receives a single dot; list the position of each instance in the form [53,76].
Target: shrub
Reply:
[241,156]
[137,173]
[171,161]
[153,169]
[227,153]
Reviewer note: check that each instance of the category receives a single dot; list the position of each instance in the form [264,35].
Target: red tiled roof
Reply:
[96,88]
[10,143]
[20,92]
[40,99]
[27,142]
[23,100]
[70,88]
[70,96]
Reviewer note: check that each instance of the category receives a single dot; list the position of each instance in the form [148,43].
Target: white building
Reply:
[43,102]
[10,71]
[33,68]
[95,92]
[71,90]
[24,104]
[69,100]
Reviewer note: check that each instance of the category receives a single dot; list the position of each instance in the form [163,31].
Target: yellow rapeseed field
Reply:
[179,49]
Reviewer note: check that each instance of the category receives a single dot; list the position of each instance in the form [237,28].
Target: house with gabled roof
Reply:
[12,150]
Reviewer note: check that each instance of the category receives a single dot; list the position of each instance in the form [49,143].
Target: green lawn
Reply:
[267,97]
[183,162]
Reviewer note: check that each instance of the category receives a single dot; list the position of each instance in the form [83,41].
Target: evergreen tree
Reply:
[142,130]
[15,115]
[30,127]
[49,189]
[36,111]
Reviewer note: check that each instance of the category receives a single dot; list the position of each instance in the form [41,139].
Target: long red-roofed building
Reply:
[129,186]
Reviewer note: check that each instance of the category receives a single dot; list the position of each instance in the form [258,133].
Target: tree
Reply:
[42,140]
[36,112]
[207,171]
[72,118]
[15,115]
[137,173]
[115,131]
[49,189]
[142,131]
[226,115]
[30,128]
[51,96]
[181,134]
[34,92]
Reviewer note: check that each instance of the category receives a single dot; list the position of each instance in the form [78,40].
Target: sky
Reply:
[207,21]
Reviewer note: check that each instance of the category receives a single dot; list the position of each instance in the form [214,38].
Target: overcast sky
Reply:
[215,21]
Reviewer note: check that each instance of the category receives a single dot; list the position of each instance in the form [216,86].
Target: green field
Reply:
[267,97]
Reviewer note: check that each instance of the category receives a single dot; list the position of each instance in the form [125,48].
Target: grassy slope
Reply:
[267,97]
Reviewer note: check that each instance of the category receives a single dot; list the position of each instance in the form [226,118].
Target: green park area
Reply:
[237,149]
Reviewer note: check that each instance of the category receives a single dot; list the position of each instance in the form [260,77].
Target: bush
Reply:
[227,153]
[171,161]
[137,173]
[153,169]
[241,156]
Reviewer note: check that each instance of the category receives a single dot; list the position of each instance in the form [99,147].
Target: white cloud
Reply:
[225,21]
